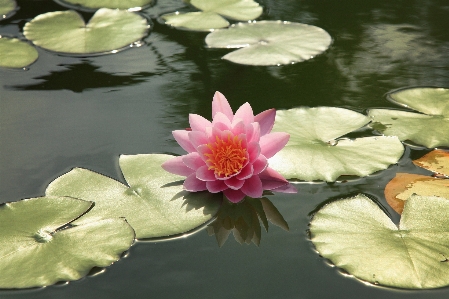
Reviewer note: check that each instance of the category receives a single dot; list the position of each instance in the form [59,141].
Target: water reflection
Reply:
[243,220]
[83,76]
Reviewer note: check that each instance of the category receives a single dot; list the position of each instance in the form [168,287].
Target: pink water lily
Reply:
[231,153]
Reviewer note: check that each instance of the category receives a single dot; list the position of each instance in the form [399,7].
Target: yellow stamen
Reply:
[227,156]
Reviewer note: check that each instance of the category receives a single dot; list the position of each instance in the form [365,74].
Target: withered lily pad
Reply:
[153,203]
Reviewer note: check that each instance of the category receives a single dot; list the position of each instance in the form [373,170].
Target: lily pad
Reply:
[429,128]
[211,15]
[154,204]
[403,185]
[314,152]
[108,31]
[270,42]
[436,161]
[134,5]
[357,236]
[39,247]
[6,8]
[15,53]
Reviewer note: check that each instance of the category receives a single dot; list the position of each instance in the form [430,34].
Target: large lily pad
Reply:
[37,248]
[154,204]
[211,15]
[6,8]
[314,153]
[436,161]
[119,4]
[270,42]
[429,128]
[357,236]
[108,31]
[15,53]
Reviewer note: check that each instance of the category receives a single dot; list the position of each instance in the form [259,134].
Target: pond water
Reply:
[64,112]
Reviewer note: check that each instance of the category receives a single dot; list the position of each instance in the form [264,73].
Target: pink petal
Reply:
[272,179]
[253,187]
[193,160]
[271,143]
[193,184]
[216,186]
[239,128]
[253,149]
[176,166]
[221,121]
[220,104]
[203,173]
[197,138]
[253,132]
[198,123]
[182,137]
[265,120]
[245,113]
[260,164]
[246,172]
[234,196]
[234,183]
[203,149]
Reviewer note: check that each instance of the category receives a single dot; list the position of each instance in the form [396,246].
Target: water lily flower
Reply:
[231,153]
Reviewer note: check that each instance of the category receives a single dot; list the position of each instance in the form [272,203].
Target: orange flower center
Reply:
[227,156]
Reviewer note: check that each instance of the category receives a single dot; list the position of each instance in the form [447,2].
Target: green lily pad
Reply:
[270,42]
[357,236]
[108,31]
[15,53]
[133,5]
[314,153]
[429,129]
[154,204]
[211,15]
[38,248]
[6,8]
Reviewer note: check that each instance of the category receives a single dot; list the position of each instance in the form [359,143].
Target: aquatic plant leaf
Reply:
[154,204]
[198,21]
[7,6]
[15,53]
[436,161]
[37,248]
[357,236]
[314,153]
[403,185]
[119,4]
[108,30]
[270,42]
[429,129]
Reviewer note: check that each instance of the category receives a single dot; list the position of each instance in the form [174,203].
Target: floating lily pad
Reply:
[403,185]
[15,53]
[119,4]
[6,8]
[429,129]
[37,248]
[357,236]
[314,153]
[108,31]
[154,204]
[211,15]
[270,42]
[436,161]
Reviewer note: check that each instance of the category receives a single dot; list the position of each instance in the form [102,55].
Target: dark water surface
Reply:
[67,112]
